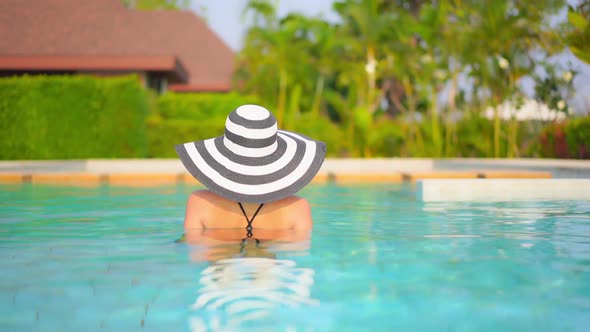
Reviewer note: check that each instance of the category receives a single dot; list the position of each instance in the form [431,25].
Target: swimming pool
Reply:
[113,259]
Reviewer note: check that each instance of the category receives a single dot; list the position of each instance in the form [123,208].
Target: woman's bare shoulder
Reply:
[203,194]
[298,210]
[198,206]
[291,200]
[205,198]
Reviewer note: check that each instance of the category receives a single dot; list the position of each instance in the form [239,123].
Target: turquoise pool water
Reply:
[113,259]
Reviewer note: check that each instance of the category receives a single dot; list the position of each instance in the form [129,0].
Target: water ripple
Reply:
[108,258]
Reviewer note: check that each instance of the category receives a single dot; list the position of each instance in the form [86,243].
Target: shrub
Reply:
[180,118]
[163,134]
[321,129]
[386,138]
[200,106]
[569,139]
[577,134]
[72,117]
[474,137]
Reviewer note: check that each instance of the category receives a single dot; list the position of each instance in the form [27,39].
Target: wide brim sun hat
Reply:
[254,161]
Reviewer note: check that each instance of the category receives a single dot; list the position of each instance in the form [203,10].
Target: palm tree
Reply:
[402,63]
[272,48]
[324,50]
[502,36]
[366,24]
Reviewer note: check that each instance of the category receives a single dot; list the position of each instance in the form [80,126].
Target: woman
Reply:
[252,173]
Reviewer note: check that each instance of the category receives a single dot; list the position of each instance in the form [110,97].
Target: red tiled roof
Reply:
[105,29]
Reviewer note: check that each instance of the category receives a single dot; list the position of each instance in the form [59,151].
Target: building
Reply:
[169,50]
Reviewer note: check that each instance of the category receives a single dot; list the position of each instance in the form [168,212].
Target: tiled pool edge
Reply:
[156,179]
[502,190]
[331,165]
[154,172]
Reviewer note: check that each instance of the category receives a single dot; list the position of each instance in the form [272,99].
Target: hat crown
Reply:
[253,112]
[251,131]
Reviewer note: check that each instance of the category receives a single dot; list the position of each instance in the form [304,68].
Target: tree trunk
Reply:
[282,96]
[416,141]
[450,125]
[317,98]
[370,69]
[514,150]
[496,132]
[434,123]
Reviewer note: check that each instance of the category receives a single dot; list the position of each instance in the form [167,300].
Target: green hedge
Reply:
[200,106]
[180,118]
[72,117]
[577,134]
[322,129]
[78,117]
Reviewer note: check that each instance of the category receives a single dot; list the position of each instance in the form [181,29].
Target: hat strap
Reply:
[249,220]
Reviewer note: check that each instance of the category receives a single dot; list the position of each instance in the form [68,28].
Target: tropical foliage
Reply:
[565,140]
[117,118]
[579,35]
[412,73]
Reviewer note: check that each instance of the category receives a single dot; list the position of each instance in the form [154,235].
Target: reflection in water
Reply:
[245,282]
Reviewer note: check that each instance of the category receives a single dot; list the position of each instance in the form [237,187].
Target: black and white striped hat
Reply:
[253,162]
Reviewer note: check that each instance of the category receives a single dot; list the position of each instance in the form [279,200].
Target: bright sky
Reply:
[225,16]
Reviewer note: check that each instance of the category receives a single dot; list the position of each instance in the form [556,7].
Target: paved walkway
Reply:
[168,171]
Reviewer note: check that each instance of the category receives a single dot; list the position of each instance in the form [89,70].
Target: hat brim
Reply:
[281,174]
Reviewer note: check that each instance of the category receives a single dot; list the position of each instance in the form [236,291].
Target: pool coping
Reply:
[503,190]
[153,172]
